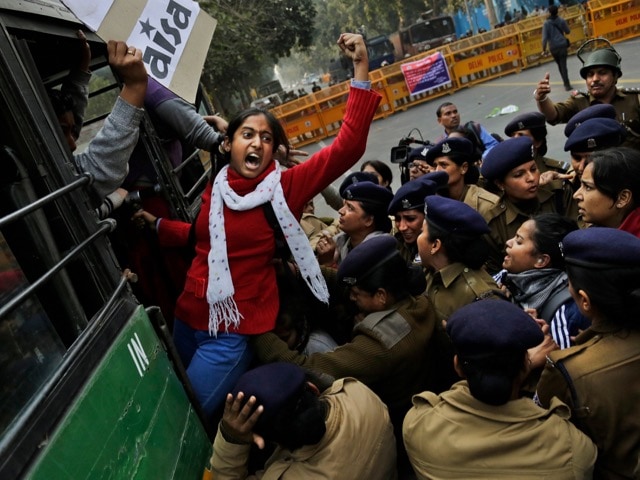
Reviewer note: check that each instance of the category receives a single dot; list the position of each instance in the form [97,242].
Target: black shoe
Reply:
[568,87]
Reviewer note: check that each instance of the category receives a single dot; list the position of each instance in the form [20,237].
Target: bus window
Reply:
[31,348]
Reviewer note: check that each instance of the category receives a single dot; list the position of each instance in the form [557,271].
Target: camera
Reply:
[400,153]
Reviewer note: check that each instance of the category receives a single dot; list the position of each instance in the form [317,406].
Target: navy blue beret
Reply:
[595,134]
[273,385]
[356,177]
[369,192]
[367,257]
[506,156]
[411,194]
[454,216]
[419,153]
[599,110]
[601,247]
[490,326]
[525,121]
[451,145]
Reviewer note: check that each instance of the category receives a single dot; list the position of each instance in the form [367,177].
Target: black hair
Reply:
[277,131]
[380,167]
[617,169]
[62,102]
[471,251]
[491,378]
[381,219]
[548,232]
[553,11]
[614,292]
[300,422]
[473,138]
[539,134]
[441,106]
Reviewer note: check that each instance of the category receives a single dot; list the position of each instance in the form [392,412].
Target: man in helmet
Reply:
[601,71]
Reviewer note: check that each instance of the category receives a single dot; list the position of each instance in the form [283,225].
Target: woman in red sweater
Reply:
[230,290]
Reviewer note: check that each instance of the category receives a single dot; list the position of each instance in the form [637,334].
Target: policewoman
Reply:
[457,157]
[313,424]
[407,209]
[534,126]
[452,248]
[510,169]
[388,347]
[363,216]
[599,378]
[482,428]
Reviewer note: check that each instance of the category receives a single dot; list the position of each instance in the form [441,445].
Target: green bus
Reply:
[89,387]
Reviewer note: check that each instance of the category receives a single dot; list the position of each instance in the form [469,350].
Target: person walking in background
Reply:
[553,38]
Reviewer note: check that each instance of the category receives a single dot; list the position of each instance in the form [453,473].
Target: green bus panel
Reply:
[131,420]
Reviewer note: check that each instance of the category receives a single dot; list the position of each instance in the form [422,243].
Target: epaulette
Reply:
[557,164]
[630,89]
[575,93]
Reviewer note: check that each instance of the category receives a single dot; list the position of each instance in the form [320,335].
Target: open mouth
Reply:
[252,161]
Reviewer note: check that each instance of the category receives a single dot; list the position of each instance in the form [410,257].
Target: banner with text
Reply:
[426,74]
[174,35]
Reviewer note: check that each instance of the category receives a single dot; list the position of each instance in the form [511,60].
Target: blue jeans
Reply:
[213,364]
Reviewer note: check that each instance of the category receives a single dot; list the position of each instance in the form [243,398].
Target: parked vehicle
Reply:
[424,35]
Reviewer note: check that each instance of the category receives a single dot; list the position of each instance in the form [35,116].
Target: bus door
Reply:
[87,388]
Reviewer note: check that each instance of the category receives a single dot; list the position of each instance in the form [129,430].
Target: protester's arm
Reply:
[107,156]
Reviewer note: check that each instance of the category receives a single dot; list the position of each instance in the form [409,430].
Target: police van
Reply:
[88,385]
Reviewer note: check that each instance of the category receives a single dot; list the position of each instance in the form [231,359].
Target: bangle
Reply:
[541,99]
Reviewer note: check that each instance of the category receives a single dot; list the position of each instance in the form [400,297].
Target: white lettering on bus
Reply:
[138,355]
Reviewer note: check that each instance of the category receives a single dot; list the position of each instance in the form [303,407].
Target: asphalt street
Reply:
[476,103]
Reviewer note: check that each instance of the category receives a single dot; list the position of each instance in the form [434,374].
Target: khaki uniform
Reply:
[507,220]
[455,436]
[481,200]
[456,285]
[604,371]
[388,352]
[627,107]
[358,443]
[409,252]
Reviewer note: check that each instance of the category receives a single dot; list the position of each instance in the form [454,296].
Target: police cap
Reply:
[599,110]
[367,257]
[411,194]
[601,247]
[489,327]
[525,121]
[454,216]
[595,134]
[356,177]
[368,192]
[506,156]
[273,385]
[456,146]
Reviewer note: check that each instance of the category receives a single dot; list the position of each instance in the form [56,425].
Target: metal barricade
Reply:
[301,121]
[486,56]
[472,60]
[614,20]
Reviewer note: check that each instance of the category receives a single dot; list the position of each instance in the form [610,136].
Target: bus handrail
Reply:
[83,179]
[105,226]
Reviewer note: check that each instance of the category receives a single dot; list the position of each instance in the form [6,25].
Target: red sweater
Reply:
[250,238]
[631,223]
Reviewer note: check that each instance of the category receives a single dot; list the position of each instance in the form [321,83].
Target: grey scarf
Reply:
[531,289]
